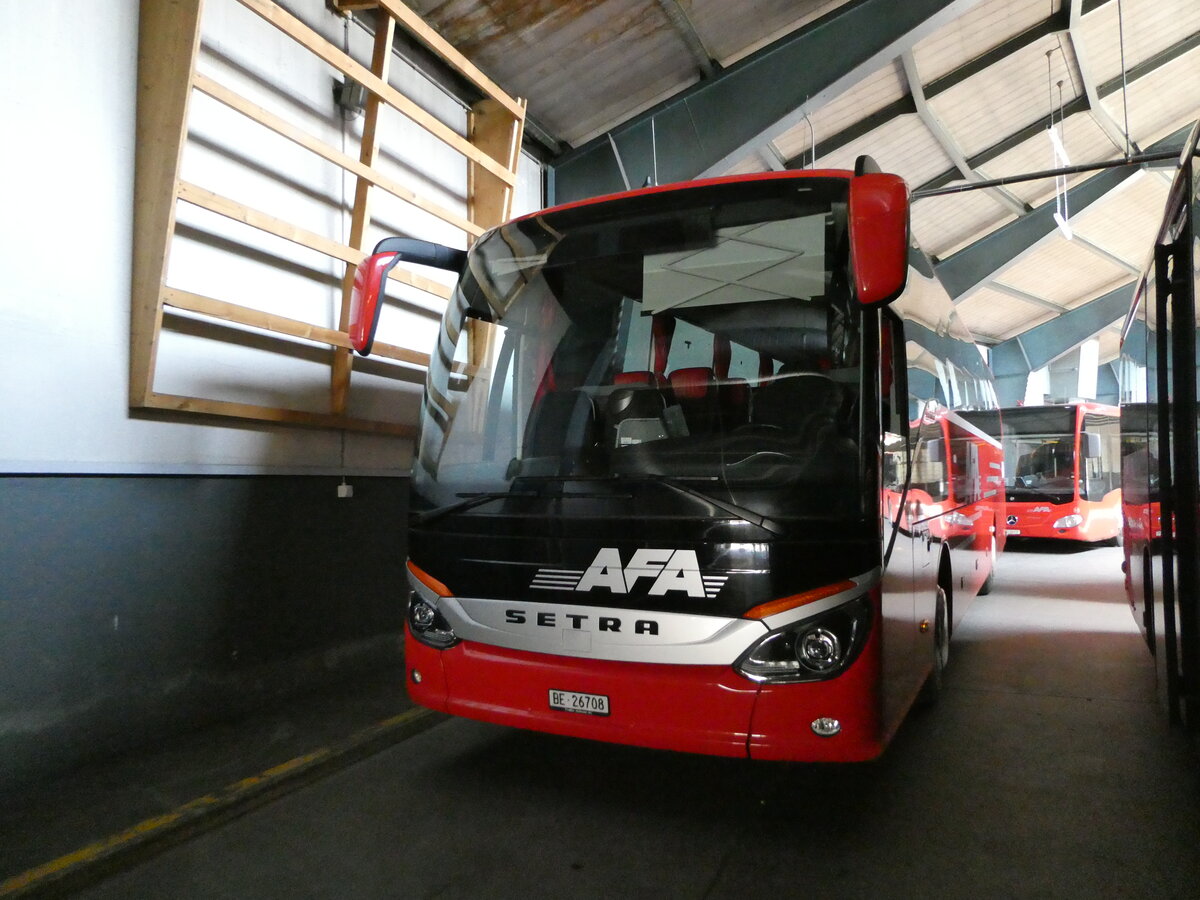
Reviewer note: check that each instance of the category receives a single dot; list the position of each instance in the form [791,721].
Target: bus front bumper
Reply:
[695,709]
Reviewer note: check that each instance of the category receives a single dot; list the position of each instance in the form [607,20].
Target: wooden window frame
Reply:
[168,45]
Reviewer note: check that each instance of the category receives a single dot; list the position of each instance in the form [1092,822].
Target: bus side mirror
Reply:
[878,237]
[371,275]
[1091,445]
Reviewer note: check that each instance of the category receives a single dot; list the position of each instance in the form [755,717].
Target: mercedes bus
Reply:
[1063,471]
[663,490]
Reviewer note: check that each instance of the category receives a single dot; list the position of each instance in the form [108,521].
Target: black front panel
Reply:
[641,549]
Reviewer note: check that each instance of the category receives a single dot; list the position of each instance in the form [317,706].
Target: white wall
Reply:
[65,244]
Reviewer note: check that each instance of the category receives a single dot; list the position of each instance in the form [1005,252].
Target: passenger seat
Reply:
[697,394]
[805,404]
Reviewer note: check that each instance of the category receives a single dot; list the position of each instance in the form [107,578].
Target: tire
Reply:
[931,690]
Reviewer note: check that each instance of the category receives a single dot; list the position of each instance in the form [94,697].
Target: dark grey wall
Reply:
[136,607]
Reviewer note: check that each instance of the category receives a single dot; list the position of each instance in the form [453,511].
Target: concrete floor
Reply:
[1046,771]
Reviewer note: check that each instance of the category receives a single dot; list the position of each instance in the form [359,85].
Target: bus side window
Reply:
[1103,470]
[893,391]
[893,388]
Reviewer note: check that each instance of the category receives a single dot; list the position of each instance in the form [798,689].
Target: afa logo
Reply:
[666,570]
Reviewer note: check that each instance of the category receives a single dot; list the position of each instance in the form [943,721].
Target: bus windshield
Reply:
[702,338]
[1039,453]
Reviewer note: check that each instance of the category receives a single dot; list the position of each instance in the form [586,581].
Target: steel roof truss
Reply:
[717,122]
[942,135]
[1111,129]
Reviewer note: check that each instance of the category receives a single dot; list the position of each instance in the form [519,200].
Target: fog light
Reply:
[826,727]
[1071,521]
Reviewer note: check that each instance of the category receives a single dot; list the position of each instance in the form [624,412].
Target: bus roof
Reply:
[684,185]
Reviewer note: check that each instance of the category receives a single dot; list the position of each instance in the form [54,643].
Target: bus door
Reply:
[899,510]
[931,492]
[1177,625]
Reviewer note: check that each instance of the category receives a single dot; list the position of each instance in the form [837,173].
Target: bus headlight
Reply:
[818,649]
[428,625]
[809,650]
[1071,521]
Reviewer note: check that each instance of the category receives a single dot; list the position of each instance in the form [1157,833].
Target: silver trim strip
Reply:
[596,632]
[563,629]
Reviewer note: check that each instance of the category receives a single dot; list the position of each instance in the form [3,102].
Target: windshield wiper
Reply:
[679,485]
[741,512]
[432,515]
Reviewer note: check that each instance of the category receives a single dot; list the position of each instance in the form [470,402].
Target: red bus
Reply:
[952,471]
[649,499]
[1160,465]
[1063,472]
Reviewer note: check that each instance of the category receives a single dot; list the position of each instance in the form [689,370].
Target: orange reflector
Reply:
[774,607]
[429,581]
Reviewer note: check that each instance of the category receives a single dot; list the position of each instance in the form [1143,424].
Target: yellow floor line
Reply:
[148,828]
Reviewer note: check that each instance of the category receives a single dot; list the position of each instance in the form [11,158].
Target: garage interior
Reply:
[205,493]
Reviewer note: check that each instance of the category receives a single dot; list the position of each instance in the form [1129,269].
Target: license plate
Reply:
[573,701]
[1012,530]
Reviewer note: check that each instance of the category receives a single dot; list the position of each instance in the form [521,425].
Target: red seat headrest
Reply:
[691,383]
[650,379]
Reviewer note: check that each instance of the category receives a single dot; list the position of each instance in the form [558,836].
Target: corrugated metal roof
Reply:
[1150,26]
[992,77]
[732,31]
[944,225]
[992,314]
[1084,140]
[1019,89]
[1127,226]
[976,32]
[870,95]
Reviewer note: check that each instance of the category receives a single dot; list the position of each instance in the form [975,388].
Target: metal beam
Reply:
[1016,139]
[974,265]
[1115,133]
[1032,299]
[906,105]
[1134,345]
[1157,61]
[772,157]
[1108,384]
[946,140]
[1056,23]
[1078,105]
[709,126]
[682,23]
[1013,359]
[1099,251]
[1146,160]
[1044,343]
[1011,371]
[978,263]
